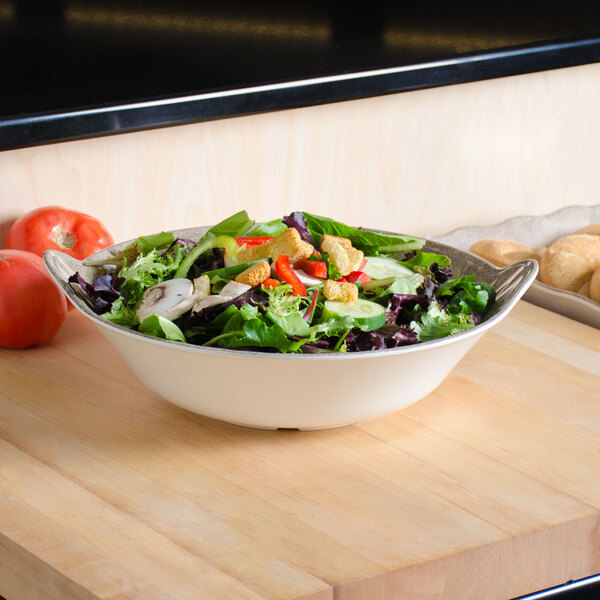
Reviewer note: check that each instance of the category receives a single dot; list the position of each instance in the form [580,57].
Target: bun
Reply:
[595,286]
[495,250]
[584,290]
[565,270]
[571,262]
[584,244]
[593,229]
[534,253]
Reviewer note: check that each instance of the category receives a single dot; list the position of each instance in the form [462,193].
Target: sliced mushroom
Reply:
[203,303]
[202,286]
[233,289]
[169,299]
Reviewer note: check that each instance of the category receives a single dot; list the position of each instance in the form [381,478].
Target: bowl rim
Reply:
[527,267]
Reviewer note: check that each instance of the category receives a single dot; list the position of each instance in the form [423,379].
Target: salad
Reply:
[301,284]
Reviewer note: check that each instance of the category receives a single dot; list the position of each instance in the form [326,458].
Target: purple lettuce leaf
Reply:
[102,292]
[435,278]
[297,220]
[398,335]
[209,262]
[400,307]
[361,341]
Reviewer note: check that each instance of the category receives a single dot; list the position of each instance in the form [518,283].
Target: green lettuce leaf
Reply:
[369,242]
[123,313]
[438,323]
[424,259]
[236,225]
[468,296]
[249,328]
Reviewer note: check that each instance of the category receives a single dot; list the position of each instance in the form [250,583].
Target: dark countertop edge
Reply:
[46,128]
[581,589]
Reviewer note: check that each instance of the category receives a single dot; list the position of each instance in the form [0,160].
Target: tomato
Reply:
[57,228]
[32,306]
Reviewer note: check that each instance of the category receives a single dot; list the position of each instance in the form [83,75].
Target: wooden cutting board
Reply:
[487,489]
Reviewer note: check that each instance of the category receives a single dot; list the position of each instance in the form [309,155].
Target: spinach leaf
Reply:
[146,243]
[161,328]
[273,228]
[467,295]
[369,242]
[248,328]
[424,259]
[235,226]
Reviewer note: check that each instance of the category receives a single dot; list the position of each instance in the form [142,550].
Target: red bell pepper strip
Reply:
[255,240]
[285,271]
[314,268]
[357,276]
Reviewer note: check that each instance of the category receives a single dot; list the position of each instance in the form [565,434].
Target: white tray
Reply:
[540,231]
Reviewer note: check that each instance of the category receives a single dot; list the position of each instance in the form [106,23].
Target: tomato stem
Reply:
[64,239]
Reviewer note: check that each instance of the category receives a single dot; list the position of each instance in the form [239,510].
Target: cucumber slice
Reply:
[367,315]
[378,267]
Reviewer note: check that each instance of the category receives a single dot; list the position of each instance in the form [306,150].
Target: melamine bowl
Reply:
[312,391]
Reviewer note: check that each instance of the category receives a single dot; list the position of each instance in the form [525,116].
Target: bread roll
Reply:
[494,250]
[595,286]
[516,255]
[584,290]
[584,244]
[593,229]
[564,269]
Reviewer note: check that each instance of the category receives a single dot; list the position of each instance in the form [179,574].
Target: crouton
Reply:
[291,244]
[202,286]
[342,291]
[355,258]
[250,253]
[341,252]
[328,239]
[255,274]
[345,259]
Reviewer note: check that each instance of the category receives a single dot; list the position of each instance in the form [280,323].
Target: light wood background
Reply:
[422,162]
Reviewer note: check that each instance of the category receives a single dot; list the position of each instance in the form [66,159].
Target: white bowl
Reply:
[312,391]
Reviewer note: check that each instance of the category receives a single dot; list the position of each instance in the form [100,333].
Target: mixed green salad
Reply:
[301,284]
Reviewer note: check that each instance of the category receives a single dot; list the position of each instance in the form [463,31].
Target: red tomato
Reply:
[32,306]
[57,228]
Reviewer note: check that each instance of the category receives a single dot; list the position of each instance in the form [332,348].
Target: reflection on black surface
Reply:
[70,53]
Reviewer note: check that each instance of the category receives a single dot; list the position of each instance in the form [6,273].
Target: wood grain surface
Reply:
[485,490]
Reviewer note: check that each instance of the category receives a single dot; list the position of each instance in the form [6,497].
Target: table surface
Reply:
[82,69]
[487,488]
